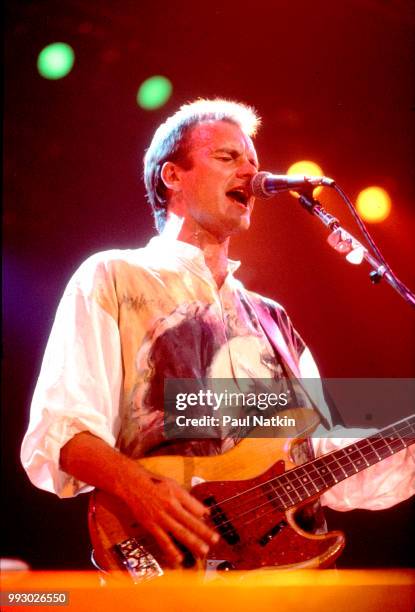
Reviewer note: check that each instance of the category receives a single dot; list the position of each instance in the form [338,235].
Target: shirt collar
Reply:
[189,254]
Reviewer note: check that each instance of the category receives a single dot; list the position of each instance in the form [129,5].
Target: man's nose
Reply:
[246,168]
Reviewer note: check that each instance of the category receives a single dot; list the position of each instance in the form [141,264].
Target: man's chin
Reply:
[242,225]
[229,227]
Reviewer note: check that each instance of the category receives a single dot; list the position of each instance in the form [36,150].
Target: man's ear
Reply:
[170,175]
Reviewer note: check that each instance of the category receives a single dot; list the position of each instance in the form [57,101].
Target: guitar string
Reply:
[269,500]
[264,514]
[378,437]
[367,444]
[326,464]
[278,496]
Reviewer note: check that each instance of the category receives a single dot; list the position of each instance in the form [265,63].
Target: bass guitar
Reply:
[254,493]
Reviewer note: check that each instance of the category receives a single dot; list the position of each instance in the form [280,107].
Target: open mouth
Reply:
[239,195]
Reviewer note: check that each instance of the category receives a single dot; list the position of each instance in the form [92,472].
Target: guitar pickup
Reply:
[188,558]
[269,535]
[222,523]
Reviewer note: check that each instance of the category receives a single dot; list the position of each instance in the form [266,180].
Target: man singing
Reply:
[130,319]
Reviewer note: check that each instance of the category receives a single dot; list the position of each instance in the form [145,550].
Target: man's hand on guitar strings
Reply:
[163,507]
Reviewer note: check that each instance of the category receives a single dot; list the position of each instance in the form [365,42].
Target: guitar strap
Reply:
[311,516]
[282,350]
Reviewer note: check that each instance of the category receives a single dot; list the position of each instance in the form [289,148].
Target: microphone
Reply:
[265,185]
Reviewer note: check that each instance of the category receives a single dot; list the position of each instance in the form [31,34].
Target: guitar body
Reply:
[255,532]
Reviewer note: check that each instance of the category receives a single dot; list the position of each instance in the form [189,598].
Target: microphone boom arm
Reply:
[342,241]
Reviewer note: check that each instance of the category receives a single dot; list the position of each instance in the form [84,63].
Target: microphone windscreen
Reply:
[257,185]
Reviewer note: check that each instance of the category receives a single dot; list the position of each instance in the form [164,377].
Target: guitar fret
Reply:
[351,460]
[288,502]
[340,466]
[306,480]
[318,480]
[337,473]
[356,456]
[321,474]
[382,448]
[359,459]
[285,494]
[376,448]
[346,463]
[325,473]
[371,456]
[371,443]
[300,484]
[406,426]
[395,444]
[362,456]
[289,488]
[279,496]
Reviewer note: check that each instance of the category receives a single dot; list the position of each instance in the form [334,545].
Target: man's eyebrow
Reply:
[235,153]
[230,150]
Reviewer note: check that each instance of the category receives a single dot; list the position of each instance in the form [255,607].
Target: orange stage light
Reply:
[309,168]
[267,590]
[373,204]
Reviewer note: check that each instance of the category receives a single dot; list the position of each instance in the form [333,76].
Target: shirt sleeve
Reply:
[378,487]
[78,388]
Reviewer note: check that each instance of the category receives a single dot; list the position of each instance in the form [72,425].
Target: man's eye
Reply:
[225,158]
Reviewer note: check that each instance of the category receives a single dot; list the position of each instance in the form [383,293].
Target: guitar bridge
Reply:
[140,564]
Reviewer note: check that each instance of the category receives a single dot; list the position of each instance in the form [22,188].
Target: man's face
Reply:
[214,192]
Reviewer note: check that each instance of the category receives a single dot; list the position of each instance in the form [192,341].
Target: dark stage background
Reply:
[333,81]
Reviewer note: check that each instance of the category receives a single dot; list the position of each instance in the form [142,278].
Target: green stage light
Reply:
[154,92]
[55,61]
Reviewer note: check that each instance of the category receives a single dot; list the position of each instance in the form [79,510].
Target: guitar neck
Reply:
[318,475]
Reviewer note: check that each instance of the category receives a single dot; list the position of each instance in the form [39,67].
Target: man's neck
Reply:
[215,251]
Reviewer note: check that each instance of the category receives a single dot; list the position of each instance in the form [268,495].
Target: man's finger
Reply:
[197,526]
[193,542]
[192,504]
[173,554]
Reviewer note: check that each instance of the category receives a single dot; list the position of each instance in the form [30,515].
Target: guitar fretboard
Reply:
[317,476]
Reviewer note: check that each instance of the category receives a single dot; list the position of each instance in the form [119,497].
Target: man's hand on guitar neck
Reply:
[159,504]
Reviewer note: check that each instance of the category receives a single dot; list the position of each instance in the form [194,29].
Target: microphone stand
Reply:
[343,242]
